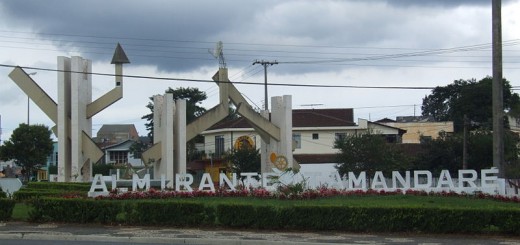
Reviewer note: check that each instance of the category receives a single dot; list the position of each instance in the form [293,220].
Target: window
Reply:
[315,136]
[340,136]
[119,157]
[297,141]
[219,145]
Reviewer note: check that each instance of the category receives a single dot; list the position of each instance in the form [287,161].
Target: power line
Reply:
[508,42]
[310,60]
[211,81]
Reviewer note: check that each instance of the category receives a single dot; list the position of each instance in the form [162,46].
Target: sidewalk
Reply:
[162,235]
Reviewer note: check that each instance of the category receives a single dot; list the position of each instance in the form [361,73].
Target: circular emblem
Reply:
[244,142]
[281,163]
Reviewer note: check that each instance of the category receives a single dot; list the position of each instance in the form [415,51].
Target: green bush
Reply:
[233,215]
[6,208]
[69,186]
[191,212]
[166,212]
[103,169]
[74,210]
[369,219]
[2,194]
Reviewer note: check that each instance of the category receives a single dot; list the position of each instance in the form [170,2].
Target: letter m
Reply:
[360,181]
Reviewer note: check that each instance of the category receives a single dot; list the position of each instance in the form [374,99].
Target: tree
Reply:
[244,160]
[29,146]
[468,97]
[368,152]
[137,148]
[193,98]
[445,152]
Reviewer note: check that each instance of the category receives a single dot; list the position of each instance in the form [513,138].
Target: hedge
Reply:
[74,210]
[164,212]
[64,186]
[6,208]
[341,218]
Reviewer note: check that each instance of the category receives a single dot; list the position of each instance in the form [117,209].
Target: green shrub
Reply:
[68,186]
[74,210]
[103,169]
[507,220]
[236,215]
[2,194]
[6,208]
[194,212]
[369,219]
[166,212]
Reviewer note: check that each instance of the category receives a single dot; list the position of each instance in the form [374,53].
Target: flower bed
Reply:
[284,194]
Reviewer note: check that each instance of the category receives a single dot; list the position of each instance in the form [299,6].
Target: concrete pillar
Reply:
[164,108]
[281,116]
[64,110]
[81,96]
[180,137]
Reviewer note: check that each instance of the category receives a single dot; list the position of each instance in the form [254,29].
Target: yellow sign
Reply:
[244,142]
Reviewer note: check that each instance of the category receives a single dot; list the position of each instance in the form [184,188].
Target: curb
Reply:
[159,240]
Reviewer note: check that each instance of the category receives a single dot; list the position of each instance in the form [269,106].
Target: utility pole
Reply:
[265,64]
[497,89]
[465,144]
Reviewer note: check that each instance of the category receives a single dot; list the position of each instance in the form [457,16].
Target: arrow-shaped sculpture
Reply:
[73,112]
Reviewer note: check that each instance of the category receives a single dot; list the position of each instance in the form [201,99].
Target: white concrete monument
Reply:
[171,131]
[74,111]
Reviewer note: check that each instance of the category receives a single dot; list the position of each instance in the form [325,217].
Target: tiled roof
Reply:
[323,117]
[115,128]
[316,158]
[302,118]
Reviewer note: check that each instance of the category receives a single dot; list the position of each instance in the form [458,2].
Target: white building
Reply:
[314,133]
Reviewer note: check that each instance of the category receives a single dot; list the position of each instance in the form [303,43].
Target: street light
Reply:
[30,74]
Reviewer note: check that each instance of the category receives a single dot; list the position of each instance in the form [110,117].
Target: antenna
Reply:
[312,105]
[218,53]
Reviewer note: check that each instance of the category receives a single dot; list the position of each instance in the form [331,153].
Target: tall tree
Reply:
[244,160]
[194,98]
[368,152]
[445,152]
[467,97]
[137,148]
[29,146]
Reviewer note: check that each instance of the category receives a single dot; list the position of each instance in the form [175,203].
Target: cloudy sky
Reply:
[403,46]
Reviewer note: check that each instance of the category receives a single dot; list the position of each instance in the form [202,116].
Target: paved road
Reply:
[21,233]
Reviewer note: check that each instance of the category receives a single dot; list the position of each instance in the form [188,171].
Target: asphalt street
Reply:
[23,233]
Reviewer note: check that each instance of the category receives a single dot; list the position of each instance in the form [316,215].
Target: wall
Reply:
[414,130]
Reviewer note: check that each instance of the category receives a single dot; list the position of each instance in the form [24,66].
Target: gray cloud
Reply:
[176,35]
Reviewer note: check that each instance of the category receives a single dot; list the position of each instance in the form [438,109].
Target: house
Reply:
[514,123]
[314,133]
[110,134]
[115,141]
[120,154]
[418,127]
